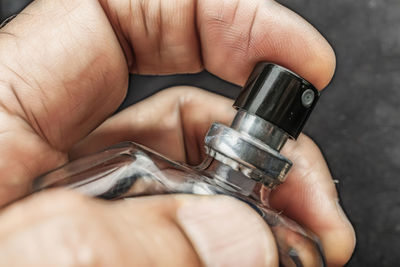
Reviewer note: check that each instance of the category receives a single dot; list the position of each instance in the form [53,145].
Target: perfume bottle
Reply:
[243,161]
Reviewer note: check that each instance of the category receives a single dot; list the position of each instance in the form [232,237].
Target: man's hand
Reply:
[64,70]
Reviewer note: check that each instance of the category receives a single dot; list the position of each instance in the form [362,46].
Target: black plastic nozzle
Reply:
[278,96]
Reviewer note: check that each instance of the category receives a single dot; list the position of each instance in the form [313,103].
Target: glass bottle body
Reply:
[131,170]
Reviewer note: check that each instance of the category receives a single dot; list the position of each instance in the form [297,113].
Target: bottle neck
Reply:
[245,158]
[229,175]
[251,147]
[259,129]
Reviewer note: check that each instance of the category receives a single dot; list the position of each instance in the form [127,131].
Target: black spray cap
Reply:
[278,96]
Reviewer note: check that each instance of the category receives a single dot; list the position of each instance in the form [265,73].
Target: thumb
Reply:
[174,230]
[225,232]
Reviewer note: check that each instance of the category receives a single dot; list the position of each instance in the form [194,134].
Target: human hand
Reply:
[64,71]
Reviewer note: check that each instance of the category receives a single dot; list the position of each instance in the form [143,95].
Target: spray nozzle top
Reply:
[278,96]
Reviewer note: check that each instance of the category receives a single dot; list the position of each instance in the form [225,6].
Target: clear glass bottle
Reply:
[242,161]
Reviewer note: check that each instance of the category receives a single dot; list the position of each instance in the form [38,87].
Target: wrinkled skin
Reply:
[64,70]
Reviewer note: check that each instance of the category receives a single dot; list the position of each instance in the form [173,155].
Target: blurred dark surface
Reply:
[10,7]
[357,122]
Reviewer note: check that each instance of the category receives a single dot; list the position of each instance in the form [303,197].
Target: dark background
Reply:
[357,122]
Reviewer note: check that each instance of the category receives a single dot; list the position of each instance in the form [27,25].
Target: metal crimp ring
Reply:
[268,163]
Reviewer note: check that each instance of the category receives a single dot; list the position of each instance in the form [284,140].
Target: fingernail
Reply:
[225,232]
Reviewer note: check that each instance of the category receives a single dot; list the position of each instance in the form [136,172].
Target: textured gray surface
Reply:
[10,7]
[357,122]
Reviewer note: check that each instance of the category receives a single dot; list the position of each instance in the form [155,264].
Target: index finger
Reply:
[226,37]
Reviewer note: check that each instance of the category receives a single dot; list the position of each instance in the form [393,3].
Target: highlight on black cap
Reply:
[279,96]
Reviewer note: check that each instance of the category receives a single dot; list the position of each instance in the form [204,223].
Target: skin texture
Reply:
[63,72]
